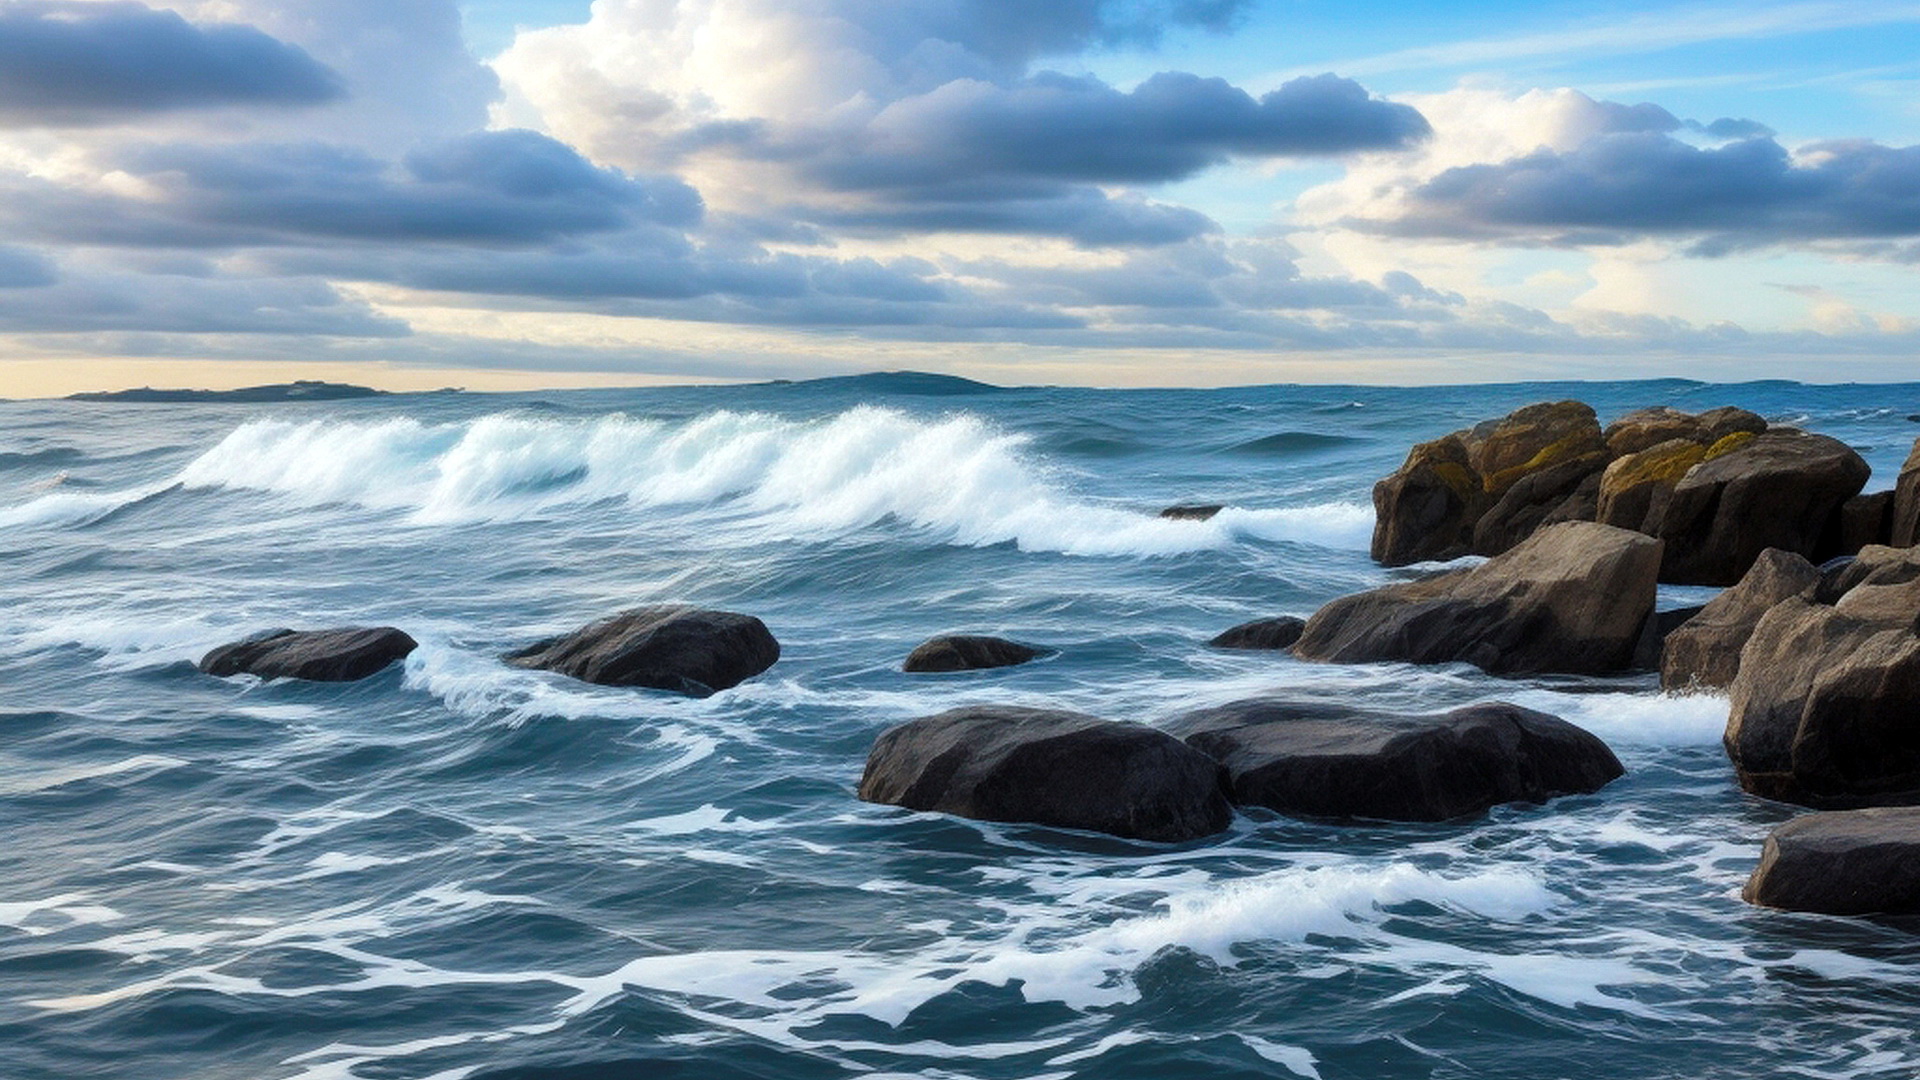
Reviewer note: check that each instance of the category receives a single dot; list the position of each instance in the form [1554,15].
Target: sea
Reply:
[459,869]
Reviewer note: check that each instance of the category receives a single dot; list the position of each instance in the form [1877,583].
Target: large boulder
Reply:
[1275,633]
[1850,862]
[341,655]
[1644,428]
[1575,597]
[1904,526]
[1507,450]
[1704,652]
[666,647]
[1781,489]
[1427,509]
[1048,767]
[1335,761]
[1825,702]
[967,652]
[1635,487]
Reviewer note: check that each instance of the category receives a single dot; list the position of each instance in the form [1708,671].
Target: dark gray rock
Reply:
[967,652]
[1864,520]
[1192,511]
[1851,862]
[1335,761]
[1049,767]
[1276,633]
[1780,489]
[342,655]
[1527,504]
[666,647]
[1705,652]
[1575,597]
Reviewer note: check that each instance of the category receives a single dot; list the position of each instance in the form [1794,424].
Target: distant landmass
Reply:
[299,390]
[898,382]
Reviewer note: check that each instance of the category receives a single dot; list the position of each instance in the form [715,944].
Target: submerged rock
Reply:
[967,652]
[1275,633]
[341,655]
[665,647]
[1334,761]
[1575,597]
[1705,651]
[1782,489]
[1049,767]
[1192,511]
[1849,862]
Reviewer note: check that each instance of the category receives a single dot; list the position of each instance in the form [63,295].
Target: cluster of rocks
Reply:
[1718,487]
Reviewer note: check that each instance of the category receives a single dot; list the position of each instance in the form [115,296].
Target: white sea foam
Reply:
[957,478]
[1635,719]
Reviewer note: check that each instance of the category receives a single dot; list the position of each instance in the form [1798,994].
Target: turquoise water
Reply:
[459,869]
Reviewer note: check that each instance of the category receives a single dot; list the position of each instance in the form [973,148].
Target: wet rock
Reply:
[1575,597]
[1192,511]
[967,652]
[665,647]
[1850,862]
[1049,767]
[341,655]
[1276,633]
[1823,705]
[1427,509]
[1778,489]
[1705,651]
[1903,528]
[1323,760]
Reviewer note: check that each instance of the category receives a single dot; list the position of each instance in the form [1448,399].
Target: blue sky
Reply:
[536,192]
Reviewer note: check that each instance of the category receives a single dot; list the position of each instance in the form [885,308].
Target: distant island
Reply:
[896,382]
[299,390]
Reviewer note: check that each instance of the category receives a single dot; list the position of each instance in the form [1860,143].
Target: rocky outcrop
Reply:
[1427,509]
[1575,597]
[1192,511]
[1824,703]
[1853,862]
[1903,528]
[1704,652]
[1779,489]
[1276,633]
[667,647]
[1322,760]
[1635,488]
[1049,767]
[967,652]
[342,655]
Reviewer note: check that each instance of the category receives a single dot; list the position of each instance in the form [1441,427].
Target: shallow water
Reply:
[458,869]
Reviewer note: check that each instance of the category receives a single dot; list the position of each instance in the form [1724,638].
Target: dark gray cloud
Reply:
[64,63]
[1619,187]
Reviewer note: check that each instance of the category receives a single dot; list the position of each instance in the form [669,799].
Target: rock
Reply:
[1824,702]
[1574,597]
[666,647]
[1048,767]
[1849,862]
[1527,504]
[1635,488]
[1334,761]
[1875,564]
[1530,439]
[1779,489]
[341,655]
[1427,509]
[1705,651]
[1863,520]
[965,652]
[1278,633]
[1644,428]
[1192,511]
[1903,530]
[1727,420]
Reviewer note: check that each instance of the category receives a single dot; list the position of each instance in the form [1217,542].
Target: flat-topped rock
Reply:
[339,655]
[1704,652]
[1323,760]
[1192,511]
[665,647]
[1575,597]
[967,652]
[1049,767]
[1849,862]
[1275,633]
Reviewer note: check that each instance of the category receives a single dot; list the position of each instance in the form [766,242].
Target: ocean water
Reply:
[459,869]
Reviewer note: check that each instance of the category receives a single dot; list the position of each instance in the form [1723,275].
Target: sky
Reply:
[508,194]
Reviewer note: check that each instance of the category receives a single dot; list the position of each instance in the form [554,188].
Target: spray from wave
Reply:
[957,479]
